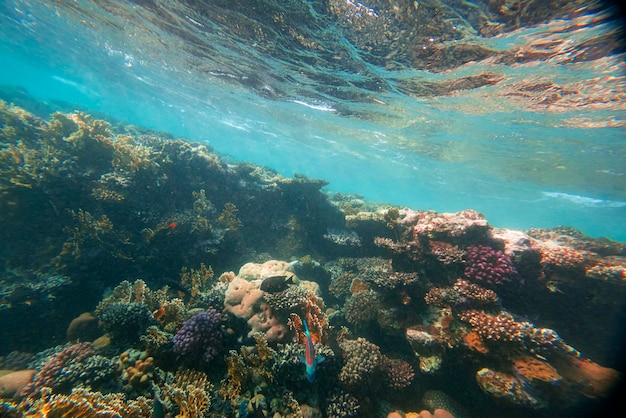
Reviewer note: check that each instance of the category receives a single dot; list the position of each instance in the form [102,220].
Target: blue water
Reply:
[362,126]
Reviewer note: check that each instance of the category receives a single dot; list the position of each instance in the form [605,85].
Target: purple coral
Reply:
[201,338]
[487,265]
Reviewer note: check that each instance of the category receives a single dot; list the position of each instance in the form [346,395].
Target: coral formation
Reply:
[201,338]
[506,386]
[53,372]
[126,321]
[486,265]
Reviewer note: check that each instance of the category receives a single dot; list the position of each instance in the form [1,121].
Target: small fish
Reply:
[310,360]
[276,284]
[158,411]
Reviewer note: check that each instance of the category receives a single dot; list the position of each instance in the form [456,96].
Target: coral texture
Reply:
[201,338]
[486,265]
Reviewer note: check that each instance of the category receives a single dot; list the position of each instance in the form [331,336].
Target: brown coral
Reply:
[140,375]
[561,256]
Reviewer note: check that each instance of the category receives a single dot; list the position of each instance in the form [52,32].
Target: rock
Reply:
[13,383]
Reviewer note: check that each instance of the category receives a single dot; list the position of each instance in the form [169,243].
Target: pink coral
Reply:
[243,297]
[487,265]
[265,321]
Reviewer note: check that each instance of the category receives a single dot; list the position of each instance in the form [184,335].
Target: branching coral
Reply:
[190,393]
[126,322]
[82,403]
[228,217]
[248,369]
[361,361]
[487,265]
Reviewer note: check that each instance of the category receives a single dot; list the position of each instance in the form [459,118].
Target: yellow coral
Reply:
[228,217]
[82,403]
[196,280]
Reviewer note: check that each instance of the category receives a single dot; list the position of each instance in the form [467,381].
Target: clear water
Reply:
[284,85]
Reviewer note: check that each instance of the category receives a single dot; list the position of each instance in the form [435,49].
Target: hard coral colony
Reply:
[423,299]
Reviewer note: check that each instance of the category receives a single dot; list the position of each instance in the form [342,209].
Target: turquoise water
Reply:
[320,89]
[121,244]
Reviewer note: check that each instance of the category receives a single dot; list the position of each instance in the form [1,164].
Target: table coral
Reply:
[462,293]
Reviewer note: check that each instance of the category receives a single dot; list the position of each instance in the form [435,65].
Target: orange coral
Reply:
[474,342]
[560,256]
[311,307]
[595,381]
[532,368]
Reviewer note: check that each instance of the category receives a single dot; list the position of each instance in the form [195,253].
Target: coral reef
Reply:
[397,300]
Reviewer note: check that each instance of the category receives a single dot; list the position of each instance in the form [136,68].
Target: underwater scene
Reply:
[316,209]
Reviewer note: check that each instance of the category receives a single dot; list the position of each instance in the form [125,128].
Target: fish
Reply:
[276,284]
[310,360]
[158,411]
